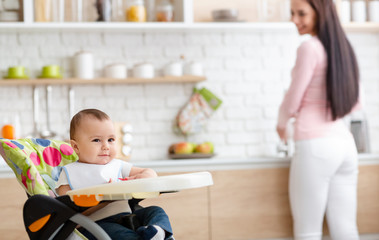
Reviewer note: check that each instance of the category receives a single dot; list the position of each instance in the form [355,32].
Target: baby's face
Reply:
[95,141]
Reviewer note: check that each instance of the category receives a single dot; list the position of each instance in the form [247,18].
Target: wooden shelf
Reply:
[361,27]
[77,81]
[174,26]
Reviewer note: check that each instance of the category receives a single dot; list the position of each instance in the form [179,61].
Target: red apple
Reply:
[205,148]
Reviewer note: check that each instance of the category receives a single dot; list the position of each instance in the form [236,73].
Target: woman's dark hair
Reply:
[342,79]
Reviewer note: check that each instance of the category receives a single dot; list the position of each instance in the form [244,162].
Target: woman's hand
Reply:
[282,133]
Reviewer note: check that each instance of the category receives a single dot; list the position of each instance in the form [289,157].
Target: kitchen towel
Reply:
[193,116]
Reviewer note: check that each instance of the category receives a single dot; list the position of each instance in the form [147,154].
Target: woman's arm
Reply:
[306,61]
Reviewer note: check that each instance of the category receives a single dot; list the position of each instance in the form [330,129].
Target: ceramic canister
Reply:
[117,70]
[84,65]
[143,70]
[359,11]
[373,8]
[345,11]
[173,69]
[194,69]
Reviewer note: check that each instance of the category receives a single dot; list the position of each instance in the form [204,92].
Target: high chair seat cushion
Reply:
[37,162]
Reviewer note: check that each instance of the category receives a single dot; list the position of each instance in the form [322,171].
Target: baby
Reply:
[93,138]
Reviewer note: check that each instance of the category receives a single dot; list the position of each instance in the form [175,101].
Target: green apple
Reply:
[183,148]
[211,145]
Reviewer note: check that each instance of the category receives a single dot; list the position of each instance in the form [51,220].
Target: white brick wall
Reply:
[249,71]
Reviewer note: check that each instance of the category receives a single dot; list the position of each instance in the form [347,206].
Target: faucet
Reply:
[282,147]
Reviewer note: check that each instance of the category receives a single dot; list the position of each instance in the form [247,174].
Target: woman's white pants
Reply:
[323,179]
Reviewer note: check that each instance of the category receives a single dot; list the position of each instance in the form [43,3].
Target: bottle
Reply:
[135,11]
[118,11]
[164,11]
[42,11]
[104,10]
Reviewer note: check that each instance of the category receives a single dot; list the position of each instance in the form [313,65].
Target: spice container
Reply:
[135,11]
[164,11]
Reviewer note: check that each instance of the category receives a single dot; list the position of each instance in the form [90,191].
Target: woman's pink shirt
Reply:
[306,98]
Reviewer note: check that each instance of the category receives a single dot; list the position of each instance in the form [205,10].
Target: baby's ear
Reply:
[74,145]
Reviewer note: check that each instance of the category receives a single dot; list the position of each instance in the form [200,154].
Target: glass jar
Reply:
[359,11]
[164,11]
[135,11]
[345,15]
[373,10]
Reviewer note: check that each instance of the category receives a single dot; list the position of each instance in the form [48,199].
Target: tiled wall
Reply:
[248,70]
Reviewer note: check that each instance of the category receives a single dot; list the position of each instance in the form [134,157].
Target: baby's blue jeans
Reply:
[147,216]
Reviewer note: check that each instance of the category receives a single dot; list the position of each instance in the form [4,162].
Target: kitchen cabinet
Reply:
[253,204]
[242,204]
[12,199]
[188,211]
[184,12]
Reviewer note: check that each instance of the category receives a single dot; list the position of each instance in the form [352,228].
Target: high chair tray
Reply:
[139,188]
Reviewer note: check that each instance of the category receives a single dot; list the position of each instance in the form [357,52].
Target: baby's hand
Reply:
[138,173]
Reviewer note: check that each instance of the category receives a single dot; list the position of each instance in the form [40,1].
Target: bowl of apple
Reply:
[190,150]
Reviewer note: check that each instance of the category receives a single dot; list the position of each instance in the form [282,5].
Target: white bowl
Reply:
[116,70]
[225,14]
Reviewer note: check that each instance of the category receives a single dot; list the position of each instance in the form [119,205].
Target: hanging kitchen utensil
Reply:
[71,102]
[71,107]
[193,116]
[35,133]
[48,133]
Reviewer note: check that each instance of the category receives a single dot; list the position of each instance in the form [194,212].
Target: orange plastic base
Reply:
[86,200]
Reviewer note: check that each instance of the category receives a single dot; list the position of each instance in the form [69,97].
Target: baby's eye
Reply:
[96,140]
[111,140]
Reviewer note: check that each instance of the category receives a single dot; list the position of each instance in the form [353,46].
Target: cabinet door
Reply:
[250,204]
[187,210]
[368,199]
[12,199]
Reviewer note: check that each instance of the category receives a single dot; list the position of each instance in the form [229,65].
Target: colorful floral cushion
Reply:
[36,162]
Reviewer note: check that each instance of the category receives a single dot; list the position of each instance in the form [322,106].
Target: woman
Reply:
[324,88]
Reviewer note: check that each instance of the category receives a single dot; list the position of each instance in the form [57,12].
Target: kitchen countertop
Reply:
[212,164]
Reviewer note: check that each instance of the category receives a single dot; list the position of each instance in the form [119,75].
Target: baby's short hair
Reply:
[77,118]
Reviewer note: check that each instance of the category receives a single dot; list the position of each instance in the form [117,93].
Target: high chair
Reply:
[37,164]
